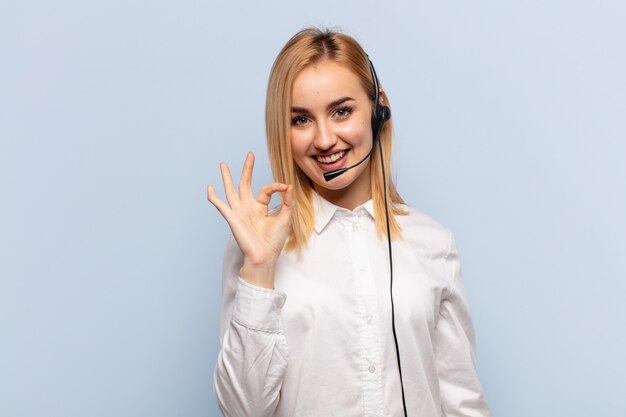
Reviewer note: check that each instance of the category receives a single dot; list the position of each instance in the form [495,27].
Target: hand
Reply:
[260,237]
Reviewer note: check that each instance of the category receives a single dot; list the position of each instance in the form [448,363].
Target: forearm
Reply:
[253,356]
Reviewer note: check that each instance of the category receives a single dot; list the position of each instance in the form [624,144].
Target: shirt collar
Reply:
[325,210]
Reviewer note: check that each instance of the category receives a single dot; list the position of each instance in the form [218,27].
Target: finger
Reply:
[220,205]
[285,210]
[288,197]
[265,195]
[229,187]
[245,182]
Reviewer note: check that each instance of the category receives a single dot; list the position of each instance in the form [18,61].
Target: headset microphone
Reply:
[337,172]
[380,115]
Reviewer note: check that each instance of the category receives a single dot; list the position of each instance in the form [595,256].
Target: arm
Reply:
[253,356]
[461,392]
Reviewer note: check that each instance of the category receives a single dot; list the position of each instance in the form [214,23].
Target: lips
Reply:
[333,161]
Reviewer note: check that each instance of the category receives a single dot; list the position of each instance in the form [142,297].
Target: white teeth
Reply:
[331,158]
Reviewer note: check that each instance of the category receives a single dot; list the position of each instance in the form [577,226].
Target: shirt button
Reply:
[362,271]
[372,369]
[369,319]
[355,227]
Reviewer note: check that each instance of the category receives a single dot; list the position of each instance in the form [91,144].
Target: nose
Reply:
[325,137]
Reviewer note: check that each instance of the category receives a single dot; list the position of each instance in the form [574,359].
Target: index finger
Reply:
[245,182]
[229,187]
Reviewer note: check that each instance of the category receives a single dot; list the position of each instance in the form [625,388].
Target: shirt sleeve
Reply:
[253,356]
[455,346]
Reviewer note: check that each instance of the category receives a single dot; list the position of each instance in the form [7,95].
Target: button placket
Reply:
[368,331]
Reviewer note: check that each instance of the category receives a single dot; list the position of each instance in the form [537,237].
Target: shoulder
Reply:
[424,232]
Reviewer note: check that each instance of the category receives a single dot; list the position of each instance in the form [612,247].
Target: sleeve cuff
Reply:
[258,308]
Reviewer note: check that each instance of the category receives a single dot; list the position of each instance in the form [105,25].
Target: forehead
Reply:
[325,82]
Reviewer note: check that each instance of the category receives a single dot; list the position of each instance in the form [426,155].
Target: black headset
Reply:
[380,115]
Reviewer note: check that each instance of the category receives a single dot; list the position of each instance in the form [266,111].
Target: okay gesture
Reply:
[260,236]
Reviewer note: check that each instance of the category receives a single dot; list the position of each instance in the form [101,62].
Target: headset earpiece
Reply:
[381,113]
[385,115]
[379,118]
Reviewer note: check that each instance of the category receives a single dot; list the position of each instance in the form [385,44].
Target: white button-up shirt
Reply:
[321,343]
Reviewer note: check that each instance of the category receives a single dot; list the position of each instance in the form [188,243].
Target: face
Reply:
[331,129]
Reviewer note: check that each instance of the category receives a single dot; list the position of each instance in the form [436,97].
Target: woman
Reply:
[308,325]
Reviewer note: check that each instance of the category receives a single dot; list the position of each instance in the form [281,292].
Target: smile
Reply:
[329,159]
[333,161]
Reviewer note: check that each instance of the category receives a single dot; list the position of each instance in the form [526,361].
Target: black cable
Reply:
[393,318]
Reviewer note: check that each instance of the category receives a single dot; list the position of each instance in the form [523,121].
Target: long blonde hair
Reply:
[306,48]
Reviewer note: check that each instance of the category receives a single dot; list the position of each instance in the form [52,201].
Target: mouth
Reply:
[333,161]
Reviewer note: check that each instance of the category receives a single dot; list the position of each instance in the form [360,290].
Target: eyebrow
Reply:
[331,105]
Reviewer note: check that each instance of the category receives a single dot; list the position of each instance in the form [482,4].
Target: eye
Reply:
[299,121]
[343,112]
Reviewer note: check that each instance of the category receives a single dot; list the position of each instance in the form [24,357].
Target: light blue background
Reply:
[510,126]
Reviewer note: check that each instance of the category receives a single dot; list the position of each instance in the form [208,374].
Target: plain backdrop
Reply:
[510,128]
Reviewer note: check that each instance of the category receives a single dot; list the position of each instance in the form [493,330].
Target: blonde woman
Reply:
[319,317]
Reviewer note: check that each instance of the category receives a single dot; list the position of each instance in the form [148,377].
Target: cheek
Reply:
[358,130]
[301,140]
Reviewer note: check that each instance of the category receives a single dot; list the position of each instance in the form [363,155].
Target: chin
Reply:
[342,182]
